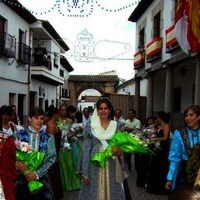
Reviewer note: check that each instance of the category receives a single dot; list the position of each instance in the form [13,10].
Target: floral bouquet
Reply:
[75,132]
[145,136]
[65,142]
[33,159]
[77,129]
[128,143]
[149,131]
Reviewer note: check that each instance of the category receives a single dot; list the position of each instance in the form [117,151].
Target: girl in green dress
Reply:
[70,179]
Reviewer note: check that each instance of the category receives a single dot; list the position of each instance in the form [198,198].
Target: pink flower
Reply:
[23,146]
[17,144]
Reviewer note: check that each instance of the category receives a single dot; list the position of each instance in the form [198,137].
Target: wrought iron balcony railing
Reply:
[7,45]
[24,53]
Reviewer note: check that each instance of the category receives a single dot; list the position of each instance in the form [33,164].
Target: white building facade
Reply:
[15,56]
[172,76]
[49,69]
[33,70]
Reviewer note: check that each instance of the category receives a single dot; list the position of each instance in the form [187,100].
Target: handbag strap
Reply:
[186,142]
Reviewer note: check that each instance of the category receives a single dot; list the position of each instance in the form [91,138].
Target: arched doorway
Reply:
[101,83]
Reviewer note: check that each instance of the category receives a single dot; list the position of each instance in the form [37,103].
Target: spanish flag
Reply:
[187,25]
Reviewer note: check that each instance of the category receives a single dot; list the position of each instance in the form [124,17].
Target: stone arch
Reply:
[101,83]
[85,88]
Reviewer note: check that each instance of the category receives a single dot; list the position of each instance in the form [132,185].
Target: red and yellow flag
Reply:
[187,25]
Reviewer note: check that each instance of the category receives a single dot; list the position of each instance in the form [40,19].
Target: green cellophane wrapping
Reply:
[33,160]
[126,143]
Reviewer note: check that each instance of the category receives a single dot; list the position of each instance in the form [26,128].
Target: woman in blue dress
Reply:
[182,143]
[101,183]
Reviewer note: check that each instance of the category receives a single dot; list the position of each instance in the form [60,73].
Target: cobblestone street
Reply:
[136,193]
[140,193]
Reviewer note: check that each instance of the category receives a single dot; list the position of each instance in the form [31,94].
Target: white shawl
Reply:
[99,132]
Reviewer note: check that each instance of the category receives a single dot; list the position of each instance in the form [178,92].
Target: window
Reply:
[141,38]
[21,43]
[61,73]
[9,45]
[41,100]
[56,59]
[156,24]
[12,98]
[24,51]
[2,30]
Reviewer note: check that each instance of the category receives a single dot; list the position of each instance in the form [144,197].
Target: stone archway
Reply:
[101,83]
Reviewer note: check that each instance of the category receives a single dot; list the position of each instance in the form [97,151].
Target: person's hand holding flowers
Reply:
[121,142]
[20,166]
[31,176]
[27,162]
[152,139]
[116,151]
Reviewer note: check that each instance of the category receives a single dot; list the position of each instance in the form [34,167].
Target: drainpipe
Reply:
[29,71]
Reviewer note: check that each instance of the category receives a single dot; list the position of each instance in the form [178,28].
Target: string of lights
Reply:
[122,47]
[80,4]
[74,8]
[125,48]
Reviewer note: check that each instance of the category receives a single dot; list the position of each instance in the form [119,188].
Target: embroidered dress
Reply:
[178,152]
[68,158]
[42,142]
[103,183]
[2,195]
[7,167]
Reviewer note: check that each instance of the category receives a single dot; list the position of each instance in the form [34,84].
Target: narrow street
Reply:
[136,192]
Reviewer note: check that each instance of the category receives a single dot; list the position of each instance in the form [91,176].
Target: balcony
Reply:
[171,42]
[24,53]
[154,49]
[41,68]
[7,45]
[42,74]
[139,59]
[40,58]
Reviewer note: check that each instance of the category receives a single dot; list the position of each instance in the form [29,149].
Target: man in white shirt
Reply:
[86,116]
[132,124]
[119,119]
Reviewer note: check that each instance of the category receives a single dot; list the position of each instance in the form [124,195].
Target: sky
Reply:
[98,33]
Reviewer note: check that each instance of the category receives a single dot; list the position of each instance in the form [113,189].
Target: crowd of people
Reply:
[66,140]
